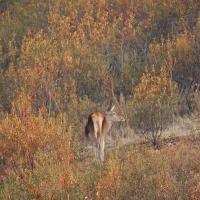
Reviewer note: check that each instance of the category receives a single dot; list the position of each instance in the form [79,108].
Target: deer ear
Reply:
[112,108]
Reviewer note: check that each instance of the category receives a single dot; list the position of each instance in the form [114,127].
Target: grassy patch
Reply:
[129,172]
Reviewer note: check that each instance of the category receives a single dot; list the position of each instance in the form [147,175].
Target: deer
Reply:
[97,128]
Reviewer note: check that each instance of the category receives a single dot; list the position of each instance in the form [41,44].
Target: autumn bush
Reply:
[23,133]
[62,60]
[153,104]
[64,47]
[132,172]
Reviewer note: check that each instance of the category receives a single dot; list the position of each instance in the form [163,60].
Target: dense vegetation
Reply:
[61,60]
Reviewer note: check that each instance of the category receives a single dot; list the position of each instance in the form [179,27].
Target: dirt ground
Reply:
[182,127]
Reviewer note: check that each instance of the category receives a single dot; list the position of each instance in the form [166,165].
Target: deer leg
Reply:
[95,144]
[102,147]
[96,149]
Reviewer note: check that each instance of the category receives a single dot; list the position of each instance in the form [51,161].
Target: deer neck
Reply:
[108,123]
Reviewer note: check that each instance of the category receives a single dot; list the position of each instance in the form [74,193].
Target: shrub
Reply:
[153,104]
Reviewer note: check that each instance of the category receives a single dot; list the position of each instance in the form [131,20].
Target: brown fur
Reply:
[97,127]
[89,125]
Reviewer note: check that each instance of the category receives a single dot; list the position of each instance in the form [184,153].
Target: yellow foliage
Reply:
[153,104]
[27,133]
[155,88]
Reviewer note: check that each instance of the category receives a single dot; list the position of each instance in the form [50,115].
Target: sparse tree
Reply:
[153,104]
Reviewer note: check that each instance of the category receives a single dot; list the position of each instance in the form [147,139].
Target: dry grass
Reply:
[134,171]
